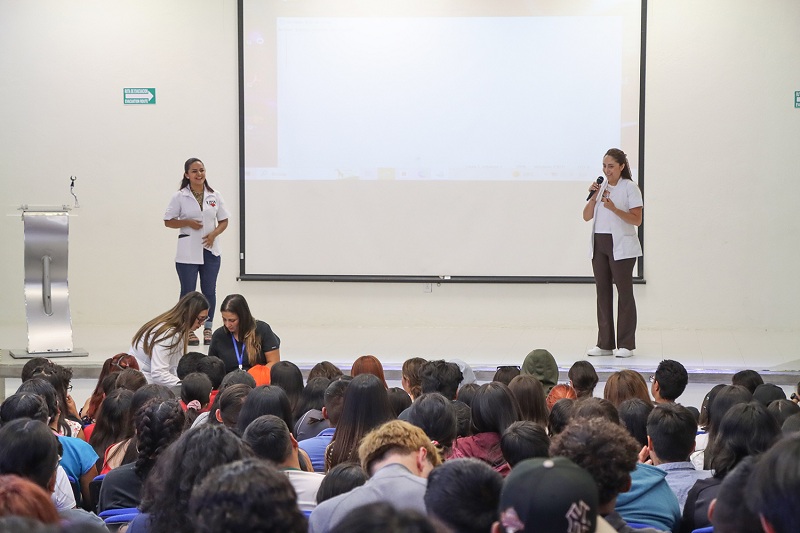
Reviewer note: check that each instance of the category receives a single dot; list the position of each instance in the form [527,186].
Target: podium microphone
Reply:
[591,193]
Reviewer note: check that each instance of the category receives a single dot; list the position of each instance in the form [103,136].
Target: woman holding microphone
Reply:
[616,210]
[198,211]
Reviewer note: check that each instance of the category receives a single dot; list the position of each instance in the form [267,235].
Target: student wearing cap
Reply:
[549,496]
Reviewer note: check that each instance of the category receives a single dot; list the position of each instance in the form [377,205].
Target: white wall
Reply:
[721,168]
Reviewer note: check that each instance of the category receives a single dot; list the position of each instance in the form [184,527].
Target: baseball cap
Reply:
[550,495]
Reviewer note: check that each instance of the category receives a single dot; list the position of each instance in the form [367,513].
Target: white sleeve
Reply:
[222,213]
[62,496]
[161,362]
[634,196]
[174,207]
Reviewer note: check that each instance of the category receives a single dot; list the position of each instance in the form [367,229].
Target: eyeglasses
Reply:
[652,378]
[69,387]
[508,366]
[201,318]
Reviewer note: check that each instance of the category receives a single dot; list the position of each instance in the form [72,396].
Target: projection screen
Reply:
[431,140]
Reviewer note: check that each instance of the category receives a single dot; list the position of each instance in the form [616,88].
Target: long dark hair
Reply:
[236,304]
[158,424]
[366,406]
[113,421]
[185,181]
[177,320]
[621,158]
[530,395]
[265,400]
[746,429]
[494,408]
[288,376]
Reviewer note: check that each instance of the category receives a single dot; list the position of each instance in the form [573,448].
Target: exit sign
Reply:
[138,95]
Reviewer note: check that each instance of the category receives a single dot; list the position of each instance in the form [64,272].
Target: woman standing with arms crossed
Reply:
[615,209]
[198,211]
[242,341]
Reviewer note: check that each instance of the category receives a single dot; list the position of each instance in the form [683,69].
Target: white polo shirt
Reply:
[183,206]
[626,196]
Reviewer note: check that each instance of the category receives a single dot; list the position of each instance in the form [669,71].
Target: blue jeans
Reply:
[208,272]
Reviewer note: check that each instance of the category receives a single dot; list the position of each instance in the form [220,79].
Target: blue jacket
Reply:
[650,500]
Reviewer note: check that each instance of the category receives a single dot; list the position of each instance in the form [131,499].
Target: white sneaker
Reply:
[596,351]
[623,353]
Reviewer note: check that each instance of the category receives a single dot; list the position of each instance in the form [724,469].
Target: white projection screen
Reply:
[415,140]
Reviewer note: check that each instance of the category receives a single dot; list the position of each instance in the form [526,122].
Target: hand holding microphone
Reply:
[594,188]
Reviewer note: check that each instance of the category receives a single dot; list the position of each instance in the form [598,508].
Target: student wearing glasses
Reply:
[161,342]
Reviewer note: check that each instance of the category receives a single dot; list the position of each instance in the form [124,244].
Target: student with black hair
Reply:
[730,511]
[670,440]
[494,409]
[236,377]
[311,421]
[464,495]
[245,495]
[331,411]
[583,378]
[669,381]
[188,364]
[524,440]
[774,487]
[435,415]
[195,394]
[340,479]
[165,499]
[158,424]
[270,439]
[29,449]
[114,422]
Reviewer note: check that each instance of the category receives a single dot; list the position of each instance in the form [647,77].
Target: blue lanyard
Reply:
[239,353]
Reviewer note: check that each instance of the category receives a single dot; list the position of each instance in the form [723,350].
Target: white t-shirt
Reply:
[183,206]
[162,366]
[306,485]
[626,196]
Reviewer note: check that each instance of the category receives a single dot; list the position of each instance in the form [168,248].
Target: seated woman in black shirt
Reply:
[243,341]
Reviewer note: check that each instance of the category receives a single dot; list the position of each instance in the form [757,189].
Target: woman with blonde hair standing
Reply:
[161,342]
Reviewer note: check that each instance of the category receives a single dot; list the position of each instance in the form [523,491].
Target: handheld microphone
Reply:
[591,193]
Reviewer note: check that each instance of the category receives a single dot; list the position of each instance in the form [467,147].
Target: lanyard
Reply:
[239,353]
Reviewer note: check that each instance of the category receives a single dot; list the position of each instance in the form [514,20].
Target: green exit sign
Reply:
[138,95]
[797,99]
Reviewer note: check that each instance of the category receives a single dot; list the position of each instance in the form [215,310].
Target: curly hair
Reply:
[606,451]
[185,462]
[246,495]
[158,424]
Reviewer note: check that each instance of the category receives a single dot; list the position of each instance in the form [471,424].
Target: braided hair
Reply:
[158,424]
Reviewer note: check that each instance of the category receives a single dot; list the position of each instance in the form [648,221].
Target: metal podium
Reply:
[46,288]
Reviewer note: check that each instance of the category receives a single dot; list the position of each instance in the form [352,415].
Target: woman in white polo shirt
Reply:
[198,211]
[616,211]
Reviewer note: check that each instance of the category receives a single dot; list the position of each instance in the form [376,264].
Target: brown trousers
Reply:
[619,273]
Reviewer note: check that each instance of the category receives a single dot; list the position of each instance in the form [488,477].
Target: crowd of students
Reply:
[343,452]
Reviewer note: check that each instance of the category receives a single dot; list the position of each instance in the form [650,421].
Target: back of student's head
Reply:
[494,408]
[265,400]
[229,404]
[746,429]
[333,399]
[410,377]
[130,379]
[195,393]
[464,494]
[672,430]
[467,392]
[560,415]
[29,449]
[727,397]
[324,369]
[504,374]
[188,364]
[158,424]
[238,377]
[45,390]
[605,450]
[530,395]
[33,365]
[341,478]
[185,462]
[731,512]
[288,376]
[633,415]
[246,495]
[368,364]
[704,420]
[384,517]
[269,437]
[24,405]
[767,393]
[774,487]
[783,409]
[583,378]
[435,415]
[595,408]
[399,399]
[313,396]
[524,440]
[463,418]
[791,425]
[559,392]
[440,376]
[672,379]
[214,368]
[749,379]
[114,421]
[625,384]
[23,497]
